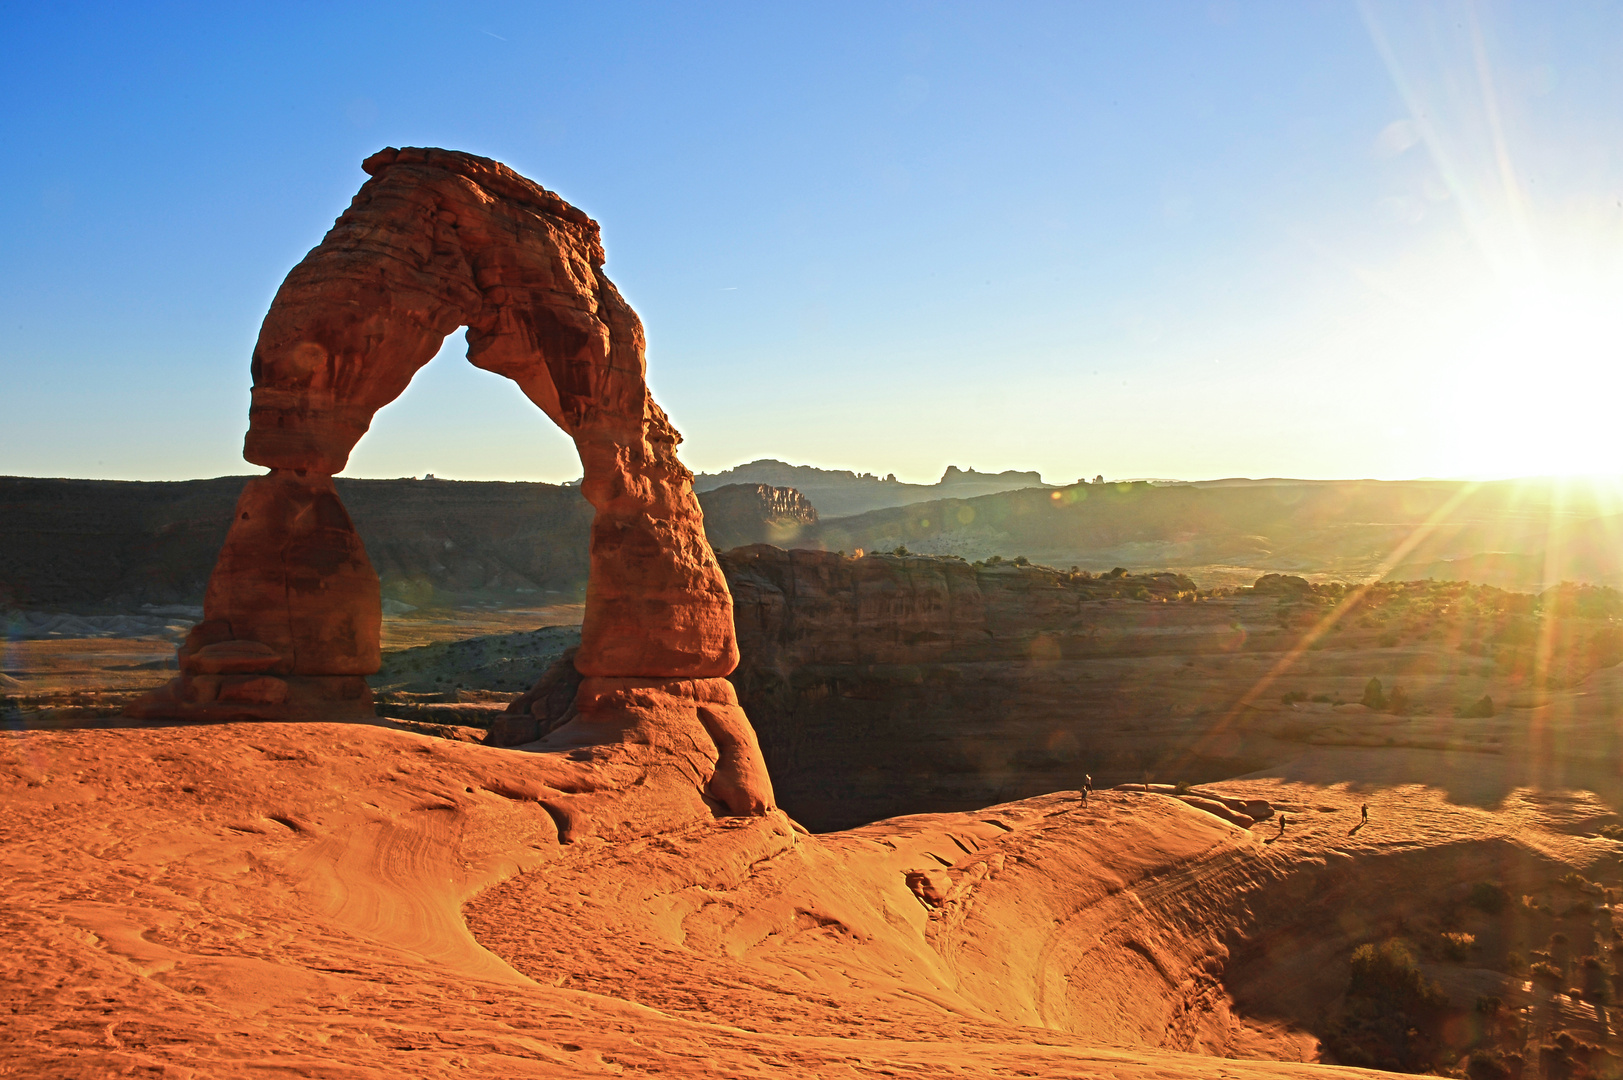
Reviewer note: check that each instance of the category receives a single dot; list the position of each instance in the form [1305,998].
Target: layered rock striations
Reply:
[437,240]
[737,515]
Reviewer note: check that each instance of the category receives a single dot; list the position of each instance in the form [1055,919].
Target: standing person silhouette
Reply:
[1365,810]
[1282,823]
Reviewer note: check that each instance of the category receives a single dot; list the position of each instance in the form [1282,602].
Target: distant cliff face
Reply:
[741,514]
[899,684]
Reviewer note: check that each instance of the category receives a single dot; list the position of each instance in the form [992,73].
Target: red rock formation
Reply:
[437,240]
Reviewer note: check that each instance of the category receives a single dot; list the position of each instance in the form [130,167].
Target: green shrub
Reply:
[1480,709]
[1373,697]
[1457,945]
[1392,1012]
[1546,972]
[1486,1065]
[1389,974]
[1488,897]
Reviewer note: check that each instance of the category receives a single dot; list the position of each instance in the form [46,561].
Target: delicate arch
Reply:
[436,240]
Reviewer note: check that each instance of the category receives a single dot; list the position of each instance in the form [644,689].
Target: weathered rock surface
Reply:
[737,515]
[437,240]
[350,900]
[893,684]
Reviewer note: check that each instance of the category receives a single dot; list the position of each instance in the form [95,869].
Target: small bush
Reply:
[1291,697]
[1481,709]
[1458,945]
[1374,698]
[1612,832]
[1488,897]
[1546,972]
[1388,973]
[1486,1065]
[1398,704]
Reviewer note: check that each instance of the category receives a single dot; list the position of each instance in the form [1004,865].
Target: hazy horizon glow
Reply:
[1190,241]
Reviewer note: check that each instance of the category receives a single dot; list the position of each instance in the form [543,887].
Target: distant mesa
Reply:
[842,493]
[740,514]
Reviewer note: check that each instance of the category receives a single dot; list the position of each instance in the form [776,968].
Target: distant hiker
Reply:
[1282,823]
[1365,811]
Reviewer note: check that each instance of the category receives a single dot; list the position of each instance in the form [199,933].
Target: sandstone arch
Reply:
[436,240]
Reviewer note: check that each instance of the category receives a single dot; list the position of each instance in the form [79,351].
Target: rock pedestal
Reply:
[434,241]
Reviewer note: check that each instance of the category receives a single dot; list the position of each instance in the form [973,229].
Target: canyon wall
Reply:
[898,684]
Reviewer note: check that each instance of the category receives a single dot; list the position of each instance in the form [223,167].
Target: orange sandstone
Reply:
[434,241]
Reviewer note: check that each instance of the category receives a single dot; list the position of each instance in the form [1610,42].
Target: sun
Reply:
[1535,386]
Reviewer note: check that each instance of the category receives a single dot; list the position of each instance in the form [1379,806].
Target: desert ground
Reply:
[393,898]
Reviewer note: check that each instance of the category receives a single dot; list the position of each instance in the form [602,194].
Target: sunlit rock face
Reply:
[434,241]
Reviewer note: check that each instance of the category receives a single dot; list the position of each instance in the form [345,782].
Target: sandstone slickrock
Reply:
[437,240]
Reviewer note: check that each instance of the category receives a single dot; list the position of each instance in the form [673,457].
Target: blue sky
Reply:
[1192,240]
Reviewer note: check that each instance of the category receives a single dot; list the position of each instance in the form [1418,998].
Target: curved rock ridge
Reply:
[437,240]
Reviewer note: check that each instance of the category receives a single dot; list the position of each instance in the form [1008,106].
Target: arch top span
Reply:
[436,240]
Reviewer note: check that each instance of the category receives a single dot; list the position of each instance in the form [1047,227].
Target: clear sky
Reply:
[1159,239]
